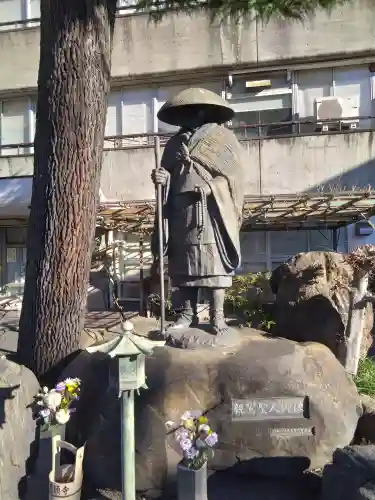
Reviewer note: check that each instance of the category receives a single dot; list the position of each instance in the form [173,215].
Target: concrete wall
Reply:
[340,161]
[275,166]
[183,43]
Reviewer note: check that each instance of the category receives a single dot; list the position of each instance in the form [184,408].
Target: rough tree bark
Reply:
[73,83]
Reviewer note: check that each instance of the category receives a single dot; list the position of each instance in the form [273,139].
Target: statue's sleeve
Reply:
[228,227]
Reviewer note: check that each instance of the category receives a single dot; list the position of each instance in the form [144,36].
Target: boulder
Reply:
[207,380]
[312,300]
[351,474]
[18,444]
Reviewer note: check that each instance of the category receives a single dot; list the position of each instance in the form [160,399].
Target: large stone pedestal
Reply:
[208,380]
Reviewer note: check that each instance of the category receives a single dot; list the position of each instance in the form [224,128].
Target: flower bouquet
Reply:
[54,405]
[195,438]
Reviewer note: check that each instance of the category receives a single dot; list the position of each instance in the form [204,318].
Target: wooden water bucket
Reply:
[65,481]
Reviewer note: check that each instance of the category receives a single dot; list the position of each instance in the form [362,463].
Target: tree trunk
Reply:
[73,84]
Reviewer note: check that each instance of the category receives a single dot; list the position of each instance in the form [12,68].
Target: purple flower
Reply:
[192,453]
[212,439]
[181,433]
[196,413]
[186,444]
[60,387]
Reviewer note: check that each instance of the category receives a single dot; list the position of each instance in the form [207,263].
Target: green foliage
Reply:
[243,299]
[262,9]
[236,295]
[365,379]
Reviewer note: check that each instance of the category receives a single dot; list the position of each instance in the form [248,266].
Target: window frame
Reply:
[248,98]
[30,116]
[26,21]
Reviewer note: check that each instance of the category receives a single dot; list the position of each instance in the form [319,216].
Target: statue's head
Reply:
[195,107]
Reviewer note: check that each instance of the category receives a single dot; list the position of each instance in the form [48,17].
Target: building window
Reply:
[264,251]
[352,87]
[17,124]
[126,6]
[254,252]
[16,236]
[135,113]
[14,12]
[34,12]
[128,113]
[263,105]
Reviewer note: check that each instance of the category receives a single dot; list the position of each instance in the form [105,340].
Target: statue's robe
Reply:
[201,233]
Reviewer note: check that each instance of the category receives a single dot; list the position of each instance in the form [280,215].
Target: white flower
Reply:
[45,390]
[71,381]
[52,400]
[204,428]
[186,415]
[169,423]
[45,414]
[62,416]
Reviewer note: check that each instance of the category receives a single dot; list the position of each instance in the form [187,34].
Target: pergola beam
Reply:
[273,212]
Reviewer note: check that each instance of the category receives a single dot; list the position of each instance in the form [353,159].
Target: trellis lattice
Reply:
[329,210]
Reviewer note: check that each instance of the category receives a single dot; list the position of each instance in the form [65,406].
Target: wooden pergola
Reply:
[329,210]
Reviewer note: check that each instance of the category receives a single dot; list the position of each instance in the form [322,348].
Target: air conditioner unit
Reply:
[334,113]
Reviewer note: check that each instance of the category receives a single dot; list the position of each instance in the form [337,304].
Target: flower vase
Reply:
[46,456]
[65,481]
[191,484]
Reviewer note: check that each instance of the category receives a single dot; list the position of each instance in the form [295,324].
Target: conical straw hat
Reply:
[182,107]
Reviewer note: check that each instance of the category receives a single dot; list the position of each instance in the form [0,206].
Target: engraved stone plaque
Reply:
[247,410]
[292,431]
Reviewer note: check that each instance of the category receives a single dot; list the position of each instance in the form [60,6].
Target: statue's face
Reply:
[197,119]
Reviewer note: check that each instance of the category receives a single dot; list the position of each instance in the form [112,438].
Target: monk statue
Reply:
[203,191]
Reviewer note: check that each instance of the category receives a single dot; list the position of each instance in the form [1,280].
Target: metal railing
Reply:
[259,131]
[304,127]
[23,23]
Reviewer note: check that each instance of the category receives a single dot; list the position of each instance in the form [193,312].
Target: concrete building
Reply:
[304,96]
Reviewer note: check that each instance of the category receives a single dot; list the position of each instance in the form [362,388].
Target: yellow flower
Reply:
[189,424]
[202,420]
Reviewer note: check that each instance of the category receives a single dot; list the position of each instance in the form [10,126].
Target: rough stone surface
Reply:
[366,492]
[224,486]
[312,300]
[366,424]
[351,474]
[18,386]
[199,337]
[180,379]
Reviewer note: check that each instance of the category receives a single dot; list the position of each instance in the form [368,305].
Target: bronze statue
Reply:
[202,177]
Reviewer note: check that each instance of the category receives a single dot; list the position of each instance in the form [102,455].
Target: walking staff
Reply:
[159,214]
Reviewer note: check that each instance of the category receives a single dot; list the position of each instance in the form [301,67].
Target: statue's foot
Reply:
[219,326]
[183,321]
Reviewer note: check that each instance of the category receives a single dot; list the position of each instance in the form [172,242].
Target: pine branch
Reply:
[220,9]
